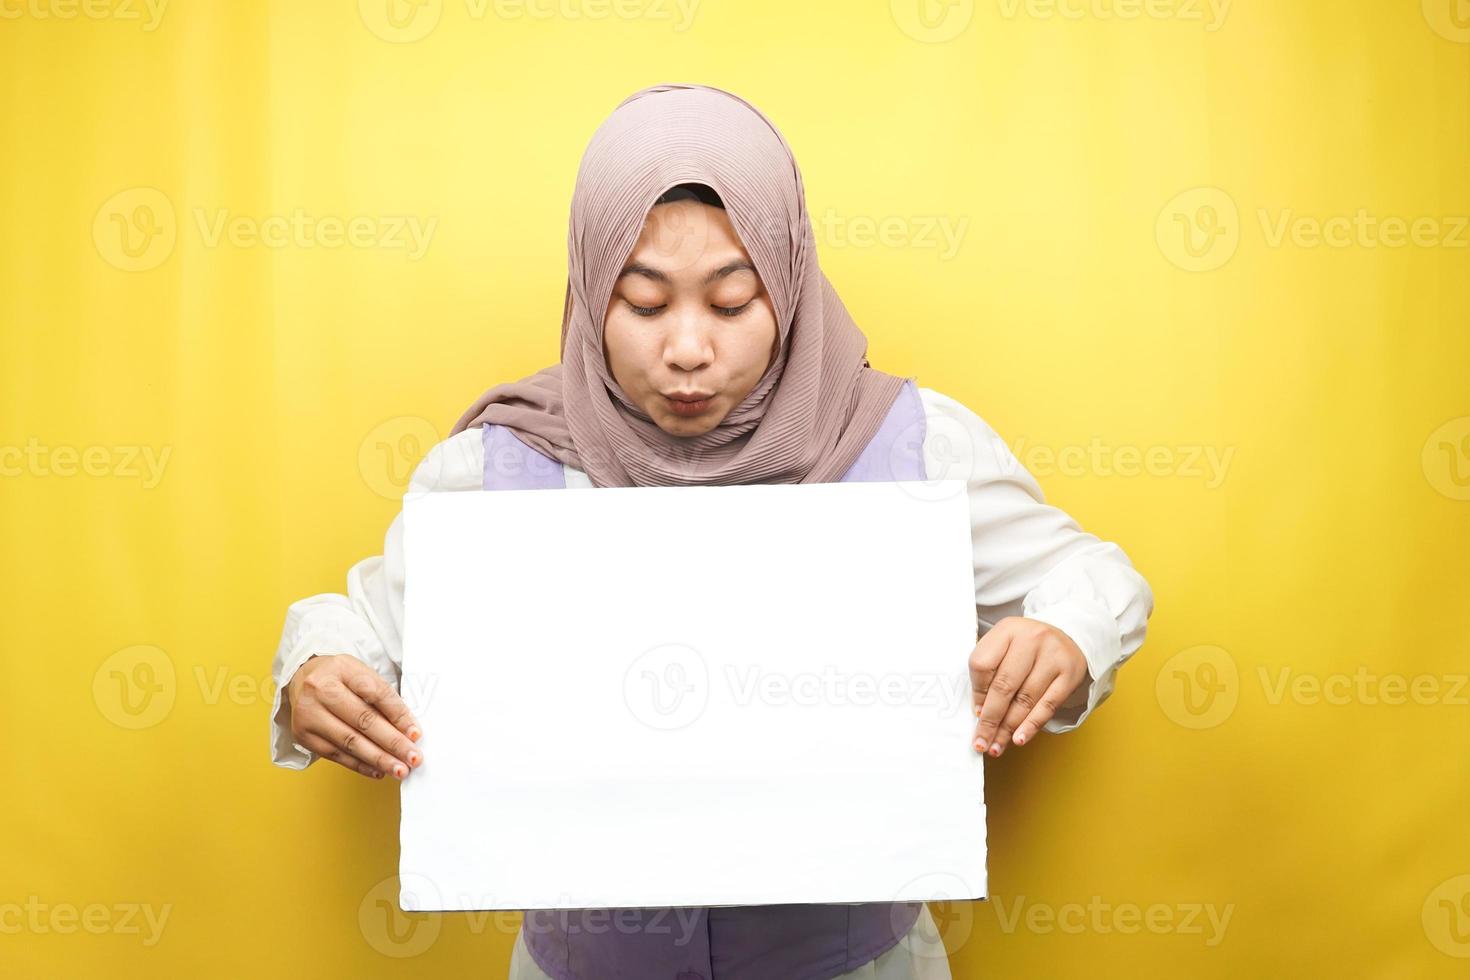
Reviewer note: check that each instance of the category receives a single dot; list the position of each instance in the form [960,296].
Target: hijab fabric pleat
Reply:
[818,404]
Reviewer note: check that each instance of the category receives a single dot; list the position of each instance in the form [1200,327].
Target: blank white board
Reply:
[691,696]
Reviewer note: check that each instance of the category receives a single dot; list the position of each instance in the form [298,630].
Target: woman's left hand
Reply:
[1021,672]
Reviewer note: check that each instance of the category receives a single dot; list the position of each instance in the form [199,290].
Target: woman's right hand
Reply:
[342,710]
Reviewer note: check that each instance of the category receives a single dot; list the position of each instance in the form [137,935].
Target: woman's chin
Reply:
[687,426]
[684,428]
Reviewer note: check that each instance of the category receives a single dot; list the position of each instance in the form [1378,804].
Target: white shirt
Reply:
[1031,559]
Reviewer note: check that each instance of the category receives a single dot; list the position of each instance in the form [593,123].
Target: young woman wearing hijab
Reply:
[702,344]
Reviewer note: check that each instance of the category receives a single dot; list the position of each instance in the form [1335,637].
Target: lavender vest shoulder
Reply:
[750,942]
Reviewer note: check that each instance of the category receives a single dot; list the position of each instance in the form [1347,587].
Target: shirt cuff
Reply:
[285,752]
[1095,632]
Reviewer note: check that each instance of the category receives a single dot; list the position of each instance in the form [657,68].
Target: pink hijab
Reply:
[817,405]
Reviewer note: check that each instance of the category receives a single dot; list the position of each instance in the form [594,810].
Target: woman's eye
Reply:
[655,310]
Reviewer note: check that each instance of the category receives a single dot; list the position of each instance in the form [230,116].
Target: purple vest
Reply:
[746,942]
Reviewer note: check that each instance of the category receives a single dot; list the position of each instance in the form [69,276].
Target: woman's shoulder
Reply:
[455,463]
[458,463]
[965,446]
[954,412]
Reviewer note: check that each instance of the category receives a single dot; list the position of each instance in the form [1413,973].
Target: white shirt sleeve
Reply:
[367,622]
[1032,559]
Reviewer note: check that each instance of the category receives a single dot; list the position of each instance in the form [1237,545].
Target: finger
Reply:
[366,684]
[357,744]
[1003,687]
[1046,706]
[985,659]
[1030,694]
[365,718]
[331,753]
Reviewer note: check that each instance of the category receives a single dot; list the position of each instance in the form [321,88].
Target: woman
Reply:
[720,354]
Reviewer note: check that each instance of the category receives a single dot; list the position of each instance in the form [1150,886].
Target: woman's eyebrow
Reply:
[729,268]
[639,269]
[648,272]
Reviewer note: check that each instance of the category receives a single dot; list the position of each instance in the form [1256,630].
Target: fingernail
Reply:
[1020,738]
[980,744]
[976,709]
[414,758]
[414,733]
[995,751]
[400,771]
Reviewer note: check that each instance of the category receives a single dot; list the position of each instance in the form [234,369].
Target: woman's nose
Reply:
[688,347]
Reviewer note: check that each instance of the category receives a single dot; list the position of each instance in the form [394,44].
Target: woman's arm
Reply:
[1032,560]
[367,622]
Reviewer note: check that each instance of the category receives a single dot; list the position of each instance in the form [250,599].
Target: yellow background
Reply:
[292,385]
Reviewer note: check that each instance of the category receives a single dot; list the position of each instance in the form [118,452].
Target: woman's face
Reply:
[689,327]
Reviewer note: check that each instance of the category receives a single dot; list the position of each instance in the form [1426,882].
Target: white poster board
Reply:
[691,696]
